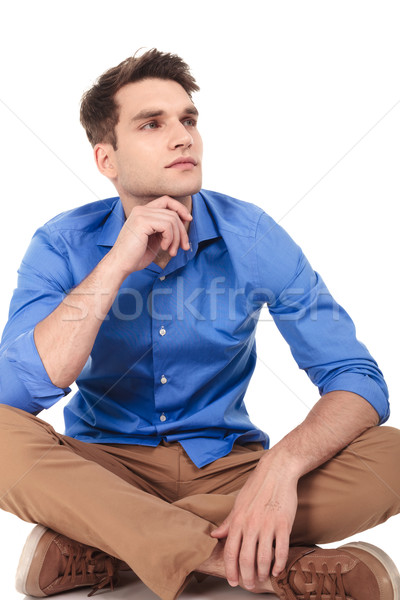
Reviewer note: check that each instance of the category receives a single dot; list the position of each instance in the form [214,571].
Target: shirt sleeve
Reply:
[43,281]
[321,335]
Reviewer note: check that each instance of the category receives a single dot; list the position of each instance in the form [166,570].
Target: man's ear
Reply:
[104,158]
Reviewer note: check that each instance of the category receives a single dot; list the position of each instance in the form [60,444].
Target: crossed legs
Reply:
[153,509]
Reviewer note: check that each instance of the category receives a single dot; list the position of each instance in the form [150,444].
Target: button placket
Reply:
[162,347]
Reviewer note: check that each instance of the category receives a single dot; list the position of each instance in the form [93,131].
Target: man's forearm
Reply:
[335,421]
[65,338]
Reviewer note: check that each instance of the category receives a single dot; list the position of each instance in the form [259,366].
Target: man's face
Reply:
[156,134]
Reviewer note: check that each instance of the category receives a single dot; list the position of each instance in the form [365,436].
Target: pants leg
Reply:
[354,491]
[98,494]
[45,479]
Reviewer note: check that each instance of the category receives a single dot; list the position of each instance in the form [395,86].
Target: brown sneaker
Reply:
[356,571]
[51,563]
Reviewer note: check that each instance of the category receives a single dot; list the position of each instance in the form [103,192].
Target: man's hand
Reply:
[262,518]
[149,228]
[258,528]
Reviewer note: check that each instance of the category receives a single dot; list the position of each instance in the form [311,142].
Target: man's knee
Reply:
[10,413]
[378,451]
[388,439]
[22,437]
[12,420]
[10,417]
[379,441]
[18,428]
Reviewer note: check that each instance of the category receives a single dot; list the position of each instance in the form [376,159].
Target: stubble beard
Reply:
[143,194]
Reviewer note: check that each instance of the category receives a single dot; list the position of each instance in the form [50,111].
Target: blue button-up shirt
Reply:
[174,356]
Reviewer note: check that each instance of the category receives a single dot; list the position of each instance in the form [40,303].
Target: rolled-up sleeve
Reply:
[321,335]
[43,281]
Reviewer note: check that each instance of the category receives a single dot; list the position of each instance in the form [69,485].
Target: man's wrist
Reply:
[282,461]
[112,273]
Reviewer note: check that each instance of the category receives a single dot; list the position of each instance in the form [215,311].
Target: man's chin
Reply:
[183,191]
[144,196]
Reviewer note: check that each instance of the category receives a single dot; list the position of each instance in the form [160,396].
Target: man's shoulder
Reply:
[231,214]
[88,217]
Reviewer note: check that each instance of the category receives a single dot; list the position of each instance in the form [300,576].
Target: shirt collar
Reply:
[202,227]
[113,225]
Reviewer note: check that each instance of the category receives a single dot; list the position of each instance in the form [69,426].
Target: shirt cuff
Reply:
[364,386]
[25,382]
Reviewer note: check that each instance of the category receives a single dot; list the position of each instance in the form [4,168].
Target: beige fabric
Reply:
[154,509]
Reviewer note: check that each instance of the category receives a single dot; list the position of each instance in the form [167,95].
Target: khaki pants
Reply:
[154,509]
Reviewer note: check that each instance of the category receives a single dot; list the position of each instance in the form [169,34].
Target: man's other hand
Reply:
[257,530]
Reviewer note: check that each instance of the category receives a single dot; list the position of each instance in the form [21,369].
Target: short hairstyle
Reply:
[99,112]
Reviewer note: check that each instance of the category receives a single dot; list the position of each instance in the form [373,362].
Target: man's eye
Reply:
[151,125]
[190,122]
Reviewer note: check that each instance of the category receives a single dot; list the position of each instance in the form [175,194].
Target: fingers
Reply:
[247,561]
[281,552]
[171,204]
[172,230]
[167,204]
[163,221]
[264,557]
[221,531]
[231,557]
[249,555]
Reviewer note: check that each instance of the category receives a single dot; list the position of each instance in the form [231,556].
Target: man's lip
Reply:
[182,160]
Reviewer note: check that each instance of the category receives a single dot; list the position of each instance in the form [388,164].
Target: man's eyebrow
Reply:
[153,113]
[147,114]
[192,110]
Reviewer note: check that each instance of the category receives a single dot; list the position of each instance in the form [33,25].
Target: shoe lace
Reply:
[83,560]
[317,586]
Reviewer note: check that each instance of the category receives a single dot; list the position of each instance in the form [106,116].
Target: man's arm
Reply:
[49,333]
[353,392]
[265,508]
[65,338]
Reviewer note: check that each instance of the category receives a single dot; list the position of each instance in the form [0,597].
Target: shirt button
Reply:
[162,331]
[163,379]
[163,418]
[162,277]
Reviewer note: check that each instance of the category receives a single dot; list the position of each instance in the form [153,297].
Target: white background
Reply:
[300,114]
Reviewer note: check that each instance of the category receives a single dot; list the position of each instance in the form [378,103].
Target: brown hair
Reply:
[100,113]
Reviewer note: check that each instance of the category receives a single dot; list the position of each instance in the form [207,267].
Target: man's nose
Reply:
[180,137]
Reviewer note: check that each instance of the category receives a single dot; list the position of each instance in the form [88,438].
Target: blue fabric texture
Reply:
[175,354]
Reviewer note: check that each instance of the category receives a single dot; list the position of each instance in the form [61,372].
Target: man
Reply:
[150,302]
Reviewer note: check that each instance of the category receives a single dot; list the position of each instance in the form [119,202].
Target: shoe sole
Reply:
[384,559]
[26,559]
